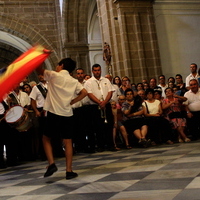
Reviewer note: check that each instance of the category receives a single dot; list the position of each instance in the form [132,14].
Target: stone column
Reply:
[128,26]
[74,39]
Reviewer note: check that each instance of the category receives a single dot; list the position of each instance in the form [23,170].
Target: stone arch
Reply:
[94,37]
[28,33]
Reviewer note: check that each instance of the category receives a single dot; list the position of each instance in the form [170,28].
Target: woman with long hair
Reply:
[139,86]
[118,124]
[135,122]
[117,81]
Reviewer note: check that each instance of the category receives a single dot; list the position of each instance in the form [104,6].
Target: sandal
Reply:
[169,142]
[128,146]
[187,140]
[180,140]
[116,148]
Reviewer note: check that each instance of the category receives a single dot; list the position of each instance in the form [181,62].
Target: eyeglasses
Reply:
[122,99]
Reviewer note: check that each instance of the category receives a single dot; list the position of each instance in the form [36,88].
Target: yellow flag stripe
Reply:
[15,66]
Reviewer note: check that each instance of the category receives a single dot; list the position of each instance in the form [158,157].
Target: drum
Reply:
[18,118]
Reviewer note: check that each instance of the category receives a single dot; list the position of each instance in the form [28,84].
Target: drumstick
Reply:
[2,118]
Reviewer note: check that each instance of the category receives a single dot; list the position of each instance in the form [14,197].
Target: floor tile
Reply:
[163,172]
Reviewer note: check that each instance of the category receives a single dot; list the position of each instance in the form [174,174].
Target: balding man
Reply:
[193,108]
[193,75]
[100,92]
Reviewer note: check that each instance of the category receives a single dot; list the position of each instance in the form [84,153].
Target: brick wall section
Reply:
[32,21]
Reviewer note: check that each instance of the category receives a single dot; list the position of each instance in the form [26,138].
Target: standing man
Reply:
[162,84]
[61,89]
[38,96]
[100,92]
[180,85]
[193,108]
[193,75]
[153,85]
[81,114]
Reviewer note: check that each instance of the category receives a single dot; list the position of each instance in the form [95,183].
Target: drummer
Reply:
[17,97]
[24,141]
[7,139]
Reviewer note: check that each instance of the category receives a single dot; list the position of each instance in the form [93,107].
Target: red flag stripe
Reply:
[17,72]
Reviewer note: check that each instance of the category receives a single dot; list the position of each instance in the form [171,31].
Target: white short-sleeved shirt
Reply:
[163,90]
[190,77]
[2,109]
[22,98]
[153,108]
[98,88]
[116,93]
[193,100]
[61,89]
[84,101]
[37,96]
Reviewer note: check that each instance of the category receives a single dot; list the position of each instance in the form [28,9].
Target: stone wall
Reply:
[129,28]
[33,22]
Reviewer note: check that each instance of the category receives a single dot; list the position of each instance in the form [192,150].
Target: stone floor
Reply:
[163,172]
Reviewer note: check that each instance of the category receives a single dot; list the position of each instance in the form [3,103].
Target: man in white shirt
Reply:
[193,75]
[81,114]
[100,92]
[162,84]
[193,108]
[17,97]
[58,103]
[23,142]
[38,96]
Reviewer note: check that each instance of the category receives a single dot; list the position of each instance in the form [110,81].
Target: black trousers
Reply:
[8,137]
[194,125]
[159,129]
[99,132]
[80,128]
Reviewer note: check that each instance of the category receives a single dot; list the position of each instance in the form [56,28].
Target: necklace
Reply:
[98,83]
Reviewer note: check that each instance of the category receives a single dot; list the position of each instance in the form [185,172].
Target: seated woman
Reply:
[158,95]
[172,107]
[159,129]
[118,124]
[139,86]
[135,123]
[126,83]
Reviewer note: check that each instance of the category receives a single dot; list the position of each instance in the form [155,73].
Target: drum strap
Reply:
[43,90]
[14,99]
[5,105]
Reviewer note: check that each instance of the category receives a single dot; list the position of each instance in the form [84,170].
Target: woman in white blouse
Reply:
[159,128]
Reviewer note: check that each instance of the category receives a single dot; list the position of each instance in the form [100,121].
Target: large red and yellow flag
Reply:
[21,68]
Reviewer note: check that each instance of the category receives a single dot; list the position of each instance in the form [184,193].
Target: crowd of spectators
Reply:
[134,115]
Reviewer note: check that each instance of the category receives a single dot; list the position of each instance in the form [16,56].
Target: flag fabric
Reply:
[21,68]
